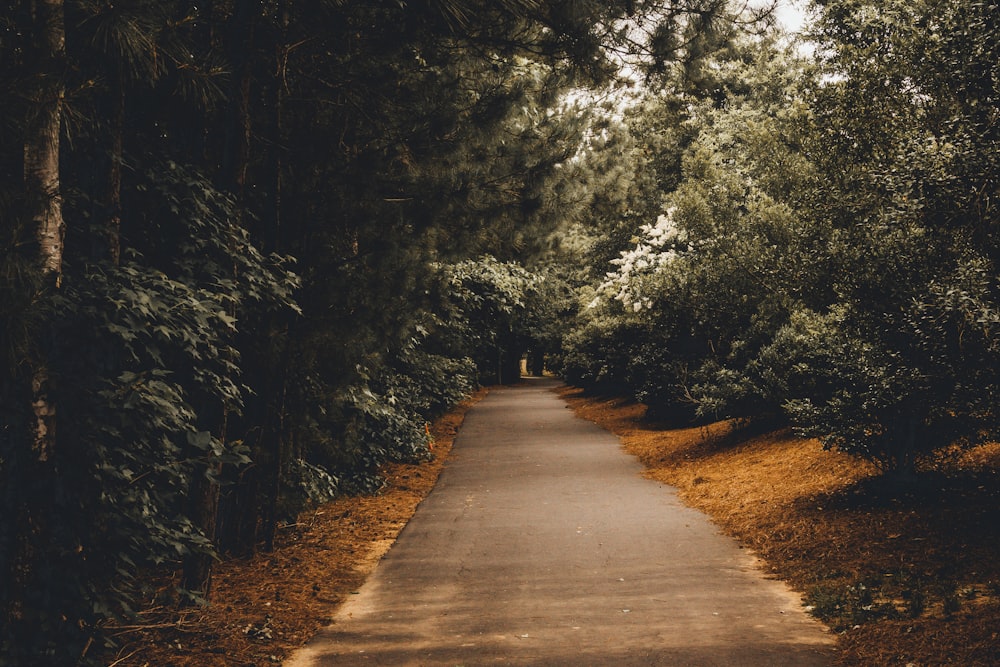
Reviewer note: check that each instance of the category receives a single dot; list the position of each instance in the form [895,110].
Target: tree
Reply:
[211,391]
[829,247]
[27,558]
[41,181]
[723,255]
[915,321]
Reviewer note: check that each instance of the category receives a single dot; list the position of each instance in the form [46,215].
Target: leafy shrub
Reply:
[492,300]
[896,390]
[596,352]
[144,359]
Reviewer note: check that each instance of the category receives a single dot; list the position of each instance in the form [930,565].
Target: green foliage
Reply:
[827,248]
[848,607]
[145,359]
[311,484]
[552,307]
[475,312]
[147,363]
[910,357]
[596,352]
[492,301]
[201,389]
[704,284]
[756,236]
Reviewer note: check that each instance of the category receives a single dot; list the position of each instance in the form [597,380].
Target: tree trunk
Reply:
[223,521]
[271,495]
[42,188]
[271,238]
[275,425]
[238,509]
[251,505]
[30,545]
[204,498]
[203,505]
[114,196]
[236,151]
[41,142]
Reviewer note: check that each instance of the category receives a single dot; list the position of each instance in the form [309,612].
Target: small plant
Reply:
[914,601]
[857,604]
[950,602]
[826,602]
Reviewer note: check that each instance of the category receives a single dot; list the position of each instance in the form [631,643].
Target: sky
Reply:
[791,14]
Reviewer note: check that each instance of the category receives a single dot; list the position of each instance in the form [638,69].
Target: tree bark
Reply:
[41,142]
[207,511]
[204,498]
[271,238]
[275,427]
[236,151]
[114,196]
[30,471]
[42,188]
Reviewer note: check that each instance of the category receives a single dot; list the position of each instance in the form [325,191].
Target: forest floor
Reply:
[905,575]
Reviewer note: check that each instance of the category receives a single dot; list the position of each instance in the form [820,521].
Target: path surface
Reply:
[542,544]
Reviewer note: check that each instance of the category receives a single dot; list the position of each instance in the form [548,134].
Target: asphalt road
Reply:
[542,544]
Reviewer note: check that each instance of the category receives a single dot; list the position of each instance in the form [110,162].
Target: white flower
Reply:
[655,250]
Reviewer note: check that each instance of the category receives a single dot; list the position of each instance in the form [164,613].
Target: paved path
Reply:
[542,544]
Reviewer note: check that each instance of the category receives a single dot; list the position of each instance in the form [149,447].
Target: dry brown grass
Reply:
[263,607]
[905,574]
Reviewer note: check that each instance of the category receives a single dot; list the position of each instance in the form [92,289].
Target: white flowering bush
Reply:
[658,246]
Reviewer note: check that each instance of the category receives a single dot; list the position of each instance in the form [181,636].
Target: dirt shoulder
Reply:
[904,575]
[263,607]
